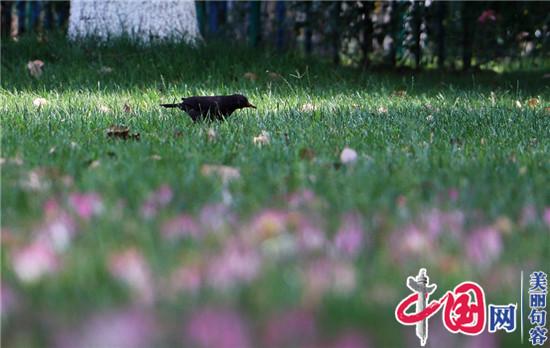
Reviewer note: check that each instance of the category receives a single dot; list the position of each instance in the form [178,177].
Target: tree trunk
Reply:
[146,22]
[335,32]
[441,13]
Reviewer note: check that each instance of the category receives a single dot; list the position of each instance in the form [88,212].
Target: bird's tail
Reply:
[171,105]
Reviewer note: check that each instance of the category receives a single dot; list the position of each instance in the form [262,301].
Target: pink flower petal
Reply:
[310,237]
[86,205]
[267,224]
[127,328]
[349,239]
[181,226]
[301,198]
[8,301]
[130,267]
[214,217]
[217,328]
[58,230]
[351,339]
[156,200]
[292,328]
[34,261]
[237,263]
[483,246]
[186,278]
[547,216]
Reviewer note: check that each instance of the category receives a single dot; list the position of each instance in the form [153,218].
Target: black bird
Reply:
[213,108]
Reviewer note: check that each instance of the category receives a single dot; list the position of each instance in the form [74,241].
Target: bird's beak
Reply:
[251,106]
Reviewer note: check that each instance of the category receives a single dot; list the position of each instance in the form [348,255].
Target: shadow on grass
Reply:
[220,68]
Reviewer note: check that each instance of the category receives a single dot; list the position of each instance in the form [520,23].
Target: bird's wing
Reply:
[200,102]
[203,105]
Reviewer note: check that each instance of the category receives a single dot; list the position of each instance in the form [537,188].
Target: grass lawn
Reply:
[289,244]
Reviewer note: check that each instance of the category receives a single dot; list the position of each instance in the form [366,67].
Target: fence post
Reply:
[335,32]
[254,28]
[6,18]
[396,26]
[416,26]
[308,29]
[441,12]
[200,7]
[213,17]
[467,34]
[280,14]
[367,32]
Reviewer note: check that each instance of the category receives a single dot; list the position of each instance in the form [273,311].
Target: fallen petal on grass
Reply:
[187,278]
[217,328]
[250,76]
[104,109]
[39,102]
[237,263]
[290,328]
[483,246]
[273,75]
[306,153]
[58,230]
[308,107]
[94,164]
[105,70]
[350,239]
[121,328]
[35,68]
[211,134]
[348,156]
[122,132]
[86,205]
[533,102]
[17,161]
[382,110]
[267,223]
[262,139]
[400,93]
[9,300]
[156,200]
[226,173]
[34,261]
[130,267]
[547,216]
[179,227]
[35,180]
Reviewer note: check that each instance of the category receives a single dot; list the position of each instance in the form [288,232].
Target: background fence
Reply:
[455,35]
